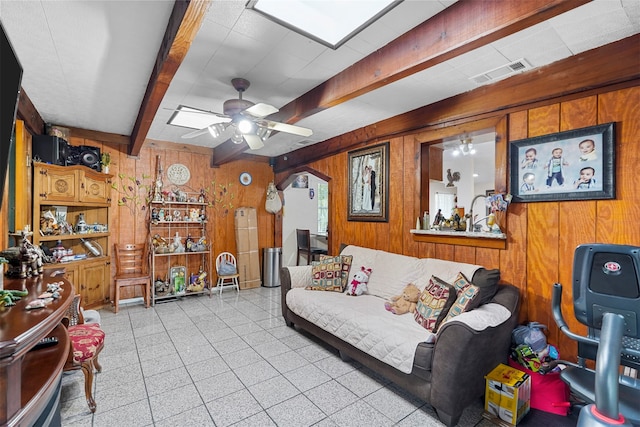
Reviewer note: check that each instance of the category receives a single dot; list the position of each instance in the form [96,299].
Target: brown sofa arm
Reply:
[285,286]
[462,356]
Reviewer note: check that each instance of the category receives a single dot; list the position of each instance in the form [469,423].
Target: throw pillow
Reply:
[327,274]
[487,281]
[434,303]
[347,260]
[466,297]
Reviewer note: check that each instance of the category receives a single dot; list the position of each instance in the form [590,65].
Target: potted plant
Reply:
[106,161]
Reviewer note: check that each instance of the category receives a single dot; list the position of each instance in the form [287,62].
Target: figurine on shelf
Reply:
[161,215]
[189,243]
[31,257]
[194,214]
[177,245]
[201,197]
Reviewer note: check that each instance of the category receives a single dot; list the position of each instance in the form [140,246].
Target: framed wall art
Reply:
[368,174]
[573,165]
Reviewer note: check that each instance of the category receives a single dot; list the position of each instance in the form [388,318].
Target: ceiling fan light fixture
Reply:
[245,126]
[264,133]
[237,137]
[215,130]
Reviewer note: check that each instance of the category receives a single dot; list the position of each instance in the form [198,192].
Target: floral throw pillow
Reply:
[434,303]
[467,297]
[327,274]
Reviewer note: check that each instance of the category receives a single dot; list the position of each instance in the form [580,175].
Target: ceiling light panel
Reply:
[194,118]
[331,23]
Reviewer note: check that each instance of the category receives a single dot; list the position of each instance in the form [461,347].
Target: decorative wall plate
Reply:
[178,174]
[245,178]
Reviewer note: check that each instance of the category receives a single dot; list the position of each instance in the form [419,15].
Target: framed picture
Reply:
[368,173]
[301,181]
[573,165]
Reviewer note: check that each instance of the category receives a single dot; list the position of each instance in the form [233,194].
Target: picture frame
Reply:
[368,184]
[572,165]
[301,181]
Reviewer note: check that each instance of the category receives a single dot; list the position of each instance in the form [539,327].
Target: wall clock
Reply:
[245,178]
[178,174]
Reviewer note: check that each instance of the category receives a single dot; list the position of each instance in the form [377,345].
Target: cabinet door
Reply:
[93,282]
[71,274]
[56,185]
[95,189]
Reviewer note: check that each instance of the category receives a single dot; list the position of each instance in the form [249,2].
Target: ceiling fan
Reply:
[241,120]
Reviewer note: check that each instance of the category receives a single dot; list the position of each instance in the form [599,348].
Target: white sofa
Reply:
[445,369]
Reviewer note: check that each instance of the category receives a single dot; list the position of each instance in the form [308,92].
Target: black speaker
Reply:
[49,149]
[84,155]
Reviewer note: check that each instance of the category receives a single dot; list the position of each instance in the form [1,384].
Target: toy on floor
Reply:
[358,285]
[405,303]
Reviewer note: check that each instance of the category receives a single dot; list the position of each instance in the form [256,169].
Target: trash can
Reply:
[272,261]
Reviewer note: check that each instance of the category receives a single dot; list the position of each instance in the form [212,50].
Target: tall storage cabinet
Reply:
[66,193]
[180,252]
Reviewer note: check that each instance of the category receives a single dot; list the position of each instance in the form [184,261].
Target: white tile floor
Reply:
[231,360]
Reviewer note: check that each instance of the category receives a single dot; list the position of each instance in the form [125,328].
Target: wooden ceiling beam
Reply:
[184,23]
[458,29]
[27,112]
[587,73]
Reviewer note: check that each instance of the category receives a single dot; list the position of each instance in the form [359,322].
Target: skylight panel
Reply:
[330,22]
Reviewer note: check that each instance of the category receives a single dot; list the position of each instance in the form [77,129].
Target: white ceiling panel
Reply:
[87,63]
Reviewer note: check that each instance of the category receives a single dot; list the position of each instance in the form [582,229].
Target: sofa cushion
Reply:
[392,272]
[346,267]
[364,323]
[434,303]
[487,281]
[466,297]
[327,274]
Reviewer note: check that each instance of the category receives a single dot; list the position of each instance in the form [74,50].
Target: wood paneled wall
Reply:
[130,226]
[541,236]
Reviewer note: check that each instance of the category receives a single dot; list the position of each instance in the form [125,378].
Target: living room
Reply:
[594,87]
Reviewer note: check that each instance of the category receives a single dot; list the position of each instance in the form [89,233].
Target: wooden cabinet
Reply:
[90,279]
[62,195]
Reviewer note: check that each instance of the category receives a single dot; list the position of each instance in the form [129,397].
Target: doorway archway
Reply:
[300,209]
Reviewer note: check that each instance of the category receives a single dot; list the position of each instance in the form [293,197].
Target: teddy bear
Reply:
[404,303]
[359,283]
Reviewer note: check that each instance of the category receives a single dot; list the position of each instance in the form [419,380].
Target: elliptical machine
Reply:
[606,298]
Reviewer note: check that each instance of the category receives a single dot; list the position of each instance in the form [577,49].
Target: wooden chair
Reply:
[86,343]
[132,269]
[227,279]
[304,246]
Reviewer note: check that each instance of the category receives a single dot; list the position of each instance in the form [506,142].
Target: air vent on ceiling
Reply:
[502,72]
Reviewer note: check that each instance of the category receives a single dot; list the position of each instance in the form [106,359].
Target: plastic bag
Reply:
[226,269]
[531,334]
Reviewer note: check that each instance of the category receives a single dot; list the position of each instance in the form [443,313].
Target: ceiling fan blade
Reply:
[285,127]
[196,133]
[261,110]
[253,141]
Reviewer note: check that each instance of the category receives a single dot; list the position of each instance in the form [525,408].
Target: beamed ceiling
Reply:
[119,69]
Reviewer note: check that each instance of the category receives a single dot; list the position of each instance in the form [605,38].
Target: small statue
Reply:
[31,258]
[177,245]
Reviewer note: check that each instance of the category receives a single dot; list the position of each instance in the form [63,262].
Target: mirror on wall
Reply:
[468,169]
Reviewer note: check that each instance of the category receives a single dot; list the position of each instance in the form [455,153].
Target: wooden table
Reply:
[30,381]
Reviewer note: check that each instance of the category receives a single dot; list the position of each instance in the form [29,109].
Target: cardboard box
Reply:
[507,394]
[246,218]
[249,270]
[248,258]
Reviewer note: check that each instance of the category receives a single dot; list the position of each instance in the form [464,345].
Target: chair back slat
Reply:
[131,259]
